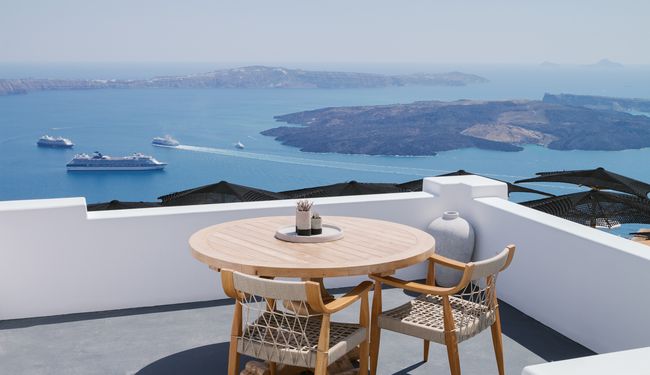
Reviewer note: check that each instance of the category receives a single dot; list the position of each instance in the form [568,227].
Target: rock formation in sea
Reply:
[424,128]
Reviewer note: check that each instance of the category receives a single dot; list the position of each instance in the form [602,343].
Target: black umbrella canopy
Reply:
[119,205]
[344,188]
[599,179]
[416,185]
[596,208]
[221,192]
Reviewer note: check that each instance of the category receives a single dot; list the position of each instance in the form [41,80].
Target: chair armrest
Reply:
[447,262]
[341,302]
[425,288]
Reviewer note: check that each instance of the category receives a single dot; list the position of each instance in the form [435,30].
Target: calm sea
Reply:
[209,122]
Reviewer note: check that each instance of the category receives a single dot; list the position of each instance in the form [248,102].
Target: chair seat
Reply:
[422,317]
[293,340]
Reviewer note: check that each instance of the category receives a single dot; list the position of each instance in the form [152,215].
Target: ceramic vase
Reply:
[454,239]
[303,223]
[316,225]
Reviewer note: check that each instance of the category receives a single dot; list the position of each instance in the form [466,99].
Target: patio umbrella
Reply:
[344,188]
[598,179]
[596,208]
[416,185]
[119,205]
[221,192]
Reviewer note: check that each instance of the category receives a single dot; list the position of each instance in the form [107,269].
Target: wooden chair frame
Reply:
[429,287]
[317,305]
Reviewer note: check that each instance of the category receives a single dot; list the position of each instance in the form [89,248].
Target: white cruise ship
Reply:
[99,162]
[54,142]
[166,141]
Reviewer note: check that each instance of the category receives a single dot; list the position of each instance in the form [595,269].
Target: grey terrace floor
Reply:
[193,339]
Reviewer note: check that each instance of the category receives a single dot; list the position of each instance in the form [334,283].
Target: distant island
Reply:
[250,77]
[425,128]
[548,64]
[600,102]
[602,64]
[605,63]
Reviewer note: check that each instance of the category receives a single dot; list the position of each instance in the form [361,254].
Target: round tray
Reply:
[330,233]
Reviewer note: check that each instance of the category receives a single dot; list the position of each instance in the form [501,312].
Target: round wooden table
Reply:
[368,246]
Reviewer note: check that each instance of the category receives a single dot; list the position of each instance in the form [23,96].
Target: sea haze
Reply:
[209,122]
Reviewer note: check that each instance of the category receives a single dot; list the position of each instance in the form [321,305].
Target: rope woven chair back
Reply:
[277,323]
[474,307]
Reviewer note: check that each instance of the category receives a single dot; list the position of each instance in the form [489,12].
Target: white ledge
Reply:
[247,206]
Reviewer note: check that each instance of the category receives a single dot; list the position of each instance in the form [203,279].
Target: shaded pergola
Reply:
[221,192]
[595,179]
[596,208]
[612,199]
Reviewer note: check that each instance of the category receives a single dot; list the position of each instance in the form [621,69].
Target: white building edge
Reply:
[57,258]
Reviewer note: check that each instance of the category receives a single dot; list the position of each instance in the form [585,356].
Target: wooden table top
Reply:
[368,246]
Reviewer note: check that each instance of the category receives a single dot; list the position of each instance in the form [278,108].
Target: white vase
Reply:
[316,225]
[303,223]
[454,239]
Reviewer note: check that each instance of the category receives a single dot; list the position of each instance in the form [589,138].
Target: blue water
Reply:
[209,122]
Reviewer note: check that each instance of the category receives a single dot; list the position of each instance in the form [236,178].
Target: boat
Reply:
[166,141]
[239,145]
[54,142]
[99,162]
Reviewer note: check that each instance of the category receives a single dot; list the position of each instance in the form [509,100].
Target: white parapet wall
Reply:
[582,282]
[57,258]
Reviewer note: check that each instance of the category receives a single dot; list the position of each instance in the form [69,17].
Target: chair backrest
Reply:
[262,294]
[475,305]
[494,265]
[268,288]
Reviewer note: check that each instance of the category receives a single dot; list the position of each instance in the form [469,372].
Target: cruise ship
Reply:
[99,162]
[166,141]
[54,142]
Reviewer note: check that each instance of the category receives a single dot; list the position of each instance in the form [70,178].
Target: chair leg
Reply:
[233,358]
[451,340]
[375,338]
[452,353]
[364,348]
[497,342]
[321,364]
[425,356]
[375,330]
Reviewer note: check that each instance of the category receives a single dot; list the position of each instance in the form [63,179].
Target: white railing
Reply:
[56,258]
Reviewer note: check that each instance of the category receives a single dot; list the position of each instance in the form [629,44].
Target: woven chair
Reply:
[447,316]
[298,331]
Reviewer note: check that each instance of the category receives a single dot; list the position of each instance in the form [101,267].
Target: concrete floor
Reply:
[193,339]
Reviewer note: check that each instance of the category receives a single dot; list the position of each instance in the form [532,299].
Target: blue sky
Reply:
[356,31]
